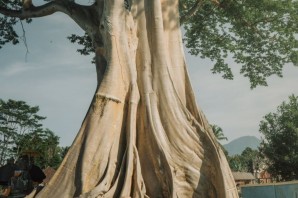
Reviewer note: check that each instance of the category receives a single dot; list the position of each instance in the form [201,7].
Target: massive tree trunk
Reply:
[143,135]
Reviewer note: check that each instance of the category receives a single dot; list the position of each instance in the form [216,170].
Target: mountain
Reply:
[238,145]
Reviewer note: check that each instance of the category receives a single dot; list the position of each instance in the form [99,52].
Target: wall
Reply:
[278,190]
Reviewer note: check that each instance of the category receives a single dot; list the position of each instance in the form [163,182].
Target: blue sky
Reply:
[62,82]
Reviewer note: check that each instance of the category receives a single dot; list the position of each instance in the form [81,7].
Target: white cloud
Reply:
[14,69]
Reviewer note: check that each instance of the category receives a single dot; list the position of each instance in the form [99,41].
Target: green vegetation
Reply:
[259,35]
[248,161]
[218,133]
[280,144]
[278,151]
[21,132]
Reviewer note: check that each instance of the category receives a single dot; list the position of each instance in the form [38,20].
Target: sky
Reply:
[62,82]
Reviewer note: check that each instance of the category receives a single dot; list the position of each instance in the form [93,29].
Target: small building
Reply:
[264,177]
[243,178]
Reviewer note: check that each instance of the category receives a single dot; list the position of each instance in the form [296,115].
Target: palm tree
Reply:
[218,133]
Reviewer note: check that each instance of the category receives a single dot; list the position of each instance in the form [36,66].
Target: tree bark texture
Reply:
[143,135]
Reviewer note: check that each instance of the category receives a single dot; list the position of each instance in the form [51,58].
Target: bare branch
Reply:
[24,39]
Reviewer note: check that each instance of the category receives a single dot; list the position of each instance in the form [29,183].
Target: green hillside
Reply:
[238,145]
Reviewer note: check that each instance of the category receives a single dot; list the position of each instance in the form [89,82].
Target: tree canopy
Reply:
[17,118]
[218,132]
[280,143]
[22,132]
[259,35]
[248,161]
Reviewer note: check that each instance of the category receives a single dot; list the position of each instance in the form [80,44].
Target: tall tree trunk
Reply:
[143,135]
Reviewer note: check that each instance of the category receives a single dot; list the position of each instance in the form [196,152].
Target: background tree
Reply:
[63,151]
[218,133]
[252,159]
[143,135]
[258,35]
[21,133]
[248,161]
[280,143]
[237,163]
[16,119]
[44,145]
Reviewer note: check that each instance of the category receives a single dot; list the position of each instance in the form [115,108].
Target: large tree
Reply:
[143,135]
[280,144]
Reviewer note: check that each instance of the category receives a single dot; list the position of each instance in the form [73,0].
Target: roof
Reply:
[243,176]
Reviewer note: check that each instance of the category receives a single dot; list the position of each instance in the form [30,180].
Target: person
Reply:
[5,191]
[31,172]
[37,176]
[6,173]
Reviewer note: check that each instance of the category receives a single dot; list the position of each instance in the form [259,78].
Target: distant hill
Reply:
[238,145]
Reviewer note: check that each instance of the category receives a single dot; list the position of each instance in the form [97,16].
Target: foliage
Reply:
[248,161]
[8,34]
[252,159]
[258,34]
[63,151]
[16,119]
[218,133]
[236,163]
[44,144]
[21,132]
[84,40]
[280,144]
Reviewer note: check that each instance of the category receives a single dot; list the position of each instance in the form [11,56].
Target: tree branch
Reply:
[84,16]
[191,11]
[35,12]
